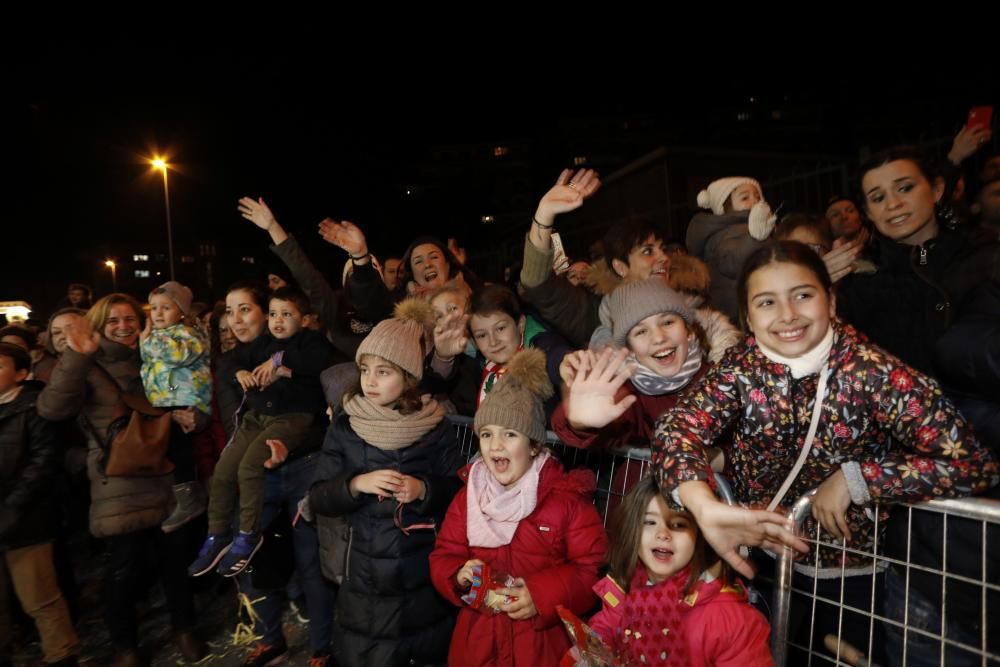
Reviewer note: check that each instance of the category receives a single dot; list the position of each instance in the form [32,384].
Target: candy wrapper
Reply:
[589,650]
[485,583]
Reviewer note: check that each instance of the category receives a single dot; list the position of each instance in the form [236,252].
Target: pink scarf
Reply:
[493,512]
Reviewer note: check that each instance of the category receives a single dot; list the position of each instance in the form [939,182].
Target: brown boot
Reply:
[127,659]
[192,648]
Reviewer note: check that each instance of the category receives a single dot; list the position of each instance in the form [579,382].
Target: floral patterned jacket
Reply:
[175,368]
[907,440]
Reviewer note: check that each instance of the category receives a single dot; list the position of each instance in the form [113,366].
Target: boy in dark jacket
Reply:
[29,457]
[280,375]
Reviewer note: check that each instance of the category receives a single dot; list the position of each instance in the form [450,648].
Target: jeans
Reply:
[285,487]
[923,614]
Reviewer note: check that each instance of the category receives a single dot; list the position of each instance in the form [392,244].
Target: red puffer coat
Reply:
[557,550]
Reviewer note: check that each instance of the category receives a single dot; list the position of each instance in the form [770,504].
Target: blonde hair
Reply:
[100,312]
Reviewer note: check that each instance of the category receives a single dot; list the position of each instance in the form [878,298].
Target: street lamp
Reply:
[114,273]
[161,164]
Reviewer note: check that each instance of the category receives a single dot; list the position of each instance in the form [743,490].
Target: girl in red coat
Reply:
[520,514]
[668,599]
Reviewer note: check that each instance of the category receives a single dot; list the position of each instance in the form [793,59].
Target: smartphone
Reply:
[980,118]
[560,262]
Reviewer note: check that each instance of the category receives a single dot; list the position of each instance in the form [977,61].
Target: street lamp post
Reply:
[161,164]
[114,274]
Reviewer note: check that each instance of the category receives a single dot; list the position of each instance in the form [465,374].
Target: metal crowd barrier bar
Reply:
[629,462]
[971,525]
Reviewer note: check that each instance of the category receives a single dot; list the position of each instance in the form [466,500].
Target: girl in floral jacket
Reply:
[884,431]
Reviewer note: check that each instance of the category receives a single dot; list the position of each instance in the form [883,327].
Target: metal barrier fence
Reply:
[968,524]
[951,550]
[615,468]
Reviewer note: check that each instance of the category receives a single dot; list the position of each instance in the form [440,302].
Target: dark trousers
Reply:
[284,488]
[132,557]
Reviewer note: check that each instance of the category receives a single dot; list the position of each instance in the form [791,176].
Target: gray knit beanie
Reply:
[633,302]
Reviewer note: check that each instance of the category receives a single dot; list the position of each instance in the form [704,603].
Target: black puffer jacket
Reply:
[919,292]
[29,459]
[388,612]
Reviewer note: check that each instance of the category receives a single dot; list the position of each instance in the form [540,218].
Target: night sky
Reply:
[317,137]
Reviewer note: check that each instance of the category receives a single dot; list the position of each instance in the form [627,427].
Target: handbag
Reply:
[137,440]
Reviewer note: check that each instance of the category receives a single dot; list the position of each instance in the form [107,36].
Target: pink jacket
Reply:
[712,626]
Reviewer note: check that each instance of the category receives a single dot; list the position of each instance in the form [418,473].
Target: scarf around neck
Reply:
[386,428]
[493,512]
[809,363]
[653,384]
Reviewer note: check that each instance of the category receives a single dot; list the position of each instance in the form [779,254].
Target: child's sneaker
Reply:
[238,556]
[214,548]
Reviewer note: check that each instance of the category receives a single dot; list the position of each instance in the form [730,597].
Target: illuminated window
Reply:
[140,258]
[141,273]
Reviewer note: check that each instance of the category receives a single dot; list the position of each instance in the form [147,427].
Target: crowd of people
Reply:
[853,351]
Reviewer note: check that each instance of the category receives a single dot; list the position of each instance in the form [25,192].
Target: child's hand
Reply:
[378,482]
[279,452]
[464,576]
[830,504]
[264,374]
[246,379]
[591,401]
[570,366]
[450,336]
[410,489]
[146,330]
[185,419]
[522,607]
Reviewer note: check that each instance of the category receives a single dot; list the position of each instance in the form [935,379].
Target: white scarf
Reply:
[809,363]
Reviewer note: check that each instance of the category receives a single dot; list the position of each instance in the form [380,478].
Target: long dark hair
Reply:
[789,252]
[927,168]
[454,266]
[625,538]
[258,291]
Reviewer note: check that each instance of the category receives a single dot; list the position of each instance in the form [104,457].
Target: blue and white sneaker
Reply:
[215,547]
[238,556]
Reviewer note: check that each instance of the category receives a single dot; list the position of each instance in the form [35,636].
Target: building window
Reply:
[248,260]
[187,259]
[579,160]
[487,219]
[140,258]
[141,273]
[500,151]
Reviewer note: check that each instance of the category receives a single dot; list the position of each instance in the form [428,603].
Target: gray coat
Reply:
[80,387]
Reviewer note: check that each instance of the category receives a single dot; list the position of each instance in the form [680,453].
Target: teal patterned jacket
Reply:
[175,368]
